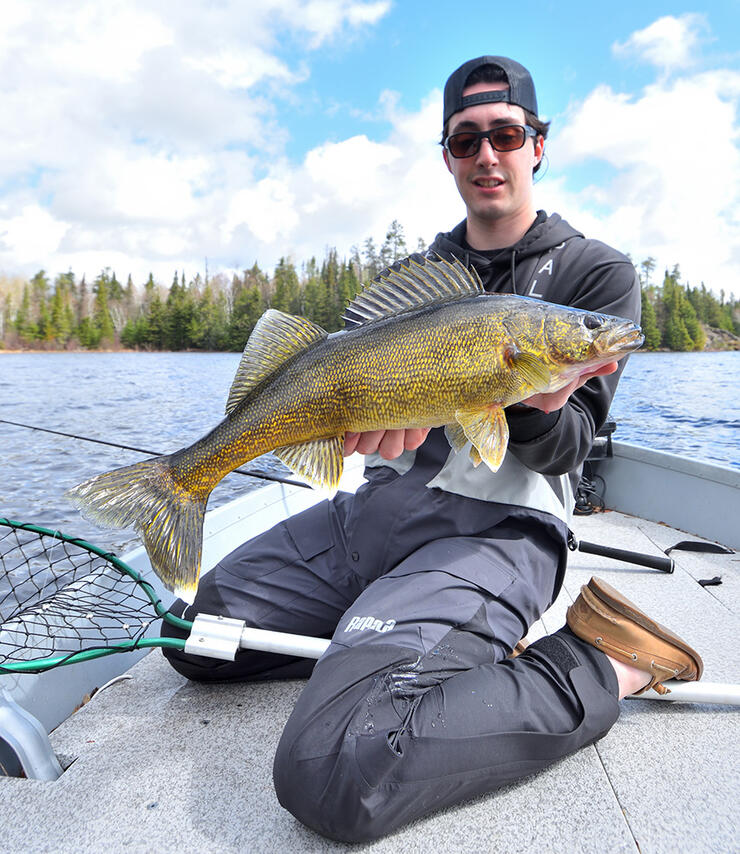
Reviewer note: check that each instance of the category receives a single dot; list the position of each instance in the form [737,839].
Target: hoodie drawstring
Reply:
[513,271]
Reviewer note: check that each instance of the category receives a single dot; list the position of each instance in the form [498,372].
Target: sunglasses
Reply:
[502,138]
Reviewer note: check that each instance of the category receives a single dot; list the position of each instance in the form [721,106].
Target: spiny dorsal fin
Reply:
[417,282]
[275,339]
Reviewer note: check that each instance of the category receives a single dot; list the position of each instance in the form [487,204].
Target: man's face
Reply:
[493,184]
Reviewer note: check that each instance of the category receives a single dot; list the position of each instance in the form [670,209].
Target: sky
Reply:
[154,136]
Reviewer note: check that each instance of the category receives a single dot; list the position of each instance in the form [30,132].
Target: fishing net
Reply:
[60,595]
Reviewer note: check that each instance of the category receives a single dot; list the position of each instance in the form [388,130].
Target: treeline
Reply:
[676,316]
[205,313]
[219,312]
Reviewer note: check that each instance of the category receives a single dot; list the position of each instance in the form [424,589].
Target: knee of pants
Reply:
[331,795]
[339,755]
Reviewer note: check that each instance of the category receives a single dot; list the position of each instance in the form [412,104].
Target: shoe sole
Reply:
[614,599]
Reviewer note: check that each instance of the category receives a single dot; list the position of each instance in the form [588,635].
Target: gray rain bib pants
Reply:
[415,705]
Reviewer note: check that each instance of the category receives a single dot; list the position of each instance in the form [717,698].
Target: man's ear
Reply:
[446,157]
[539,148]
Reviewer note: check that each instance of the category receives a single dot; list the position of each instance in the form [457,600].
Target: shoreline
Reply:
[4,352]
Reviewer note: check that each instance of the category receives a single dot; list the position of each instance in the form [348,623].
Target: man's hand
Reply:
[389,443]
[550,401]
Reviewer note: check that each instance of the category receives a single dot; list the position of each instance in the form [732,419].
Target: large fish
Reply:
[427,347]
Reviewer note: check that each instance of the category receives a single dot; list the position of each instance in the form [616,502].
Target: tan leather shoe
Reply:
[604,618]
[519,648]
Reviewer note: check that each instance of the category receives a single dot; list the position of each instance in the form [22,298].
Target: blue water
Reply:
[685,403]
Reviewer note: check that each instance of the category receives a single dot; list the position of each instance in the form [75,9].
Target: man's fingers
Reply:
[389,443]
[368,443]
[392,444]
[415,437]
[350,443]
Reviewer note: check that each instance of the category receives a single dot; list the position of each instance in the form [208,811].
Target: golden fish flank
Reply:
[425,346]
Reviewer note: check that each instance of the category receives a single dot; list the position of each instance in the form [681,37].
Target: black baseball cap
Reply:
[520,91]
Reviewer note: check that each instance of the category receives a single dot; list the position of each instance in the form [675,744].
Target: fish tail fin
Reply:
[148,497]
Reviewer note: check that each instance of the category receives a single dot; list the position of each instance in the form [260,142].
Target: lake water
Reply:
[685,403]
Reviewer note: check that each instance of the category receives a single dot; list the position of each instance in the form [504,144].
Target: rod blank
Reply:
[664,564]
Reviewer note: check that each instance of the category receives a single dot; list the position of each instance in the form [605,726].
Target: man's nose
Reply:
[487,154]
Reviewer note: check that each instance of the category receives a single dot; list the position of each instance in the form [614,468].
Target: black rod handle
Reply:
[664,564]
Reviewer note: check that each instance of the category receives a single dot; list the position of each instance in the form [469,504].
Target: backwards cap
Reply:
[520,91]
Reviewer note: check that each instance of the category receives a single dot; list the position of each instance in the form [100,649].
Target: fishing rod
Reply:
[247,472]
[663,564]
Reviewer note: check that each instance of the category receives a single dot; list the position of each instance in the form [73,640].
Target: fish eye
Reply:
[592,321]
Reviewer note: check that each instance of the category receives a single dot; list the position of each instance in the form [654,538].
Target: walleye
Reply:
[426,347]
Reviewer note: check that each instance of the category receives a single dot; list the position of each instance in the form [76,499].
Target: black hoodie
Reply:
[555,262]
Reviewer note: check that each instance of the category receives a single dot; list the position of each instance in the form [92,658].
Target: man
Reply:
[428,577]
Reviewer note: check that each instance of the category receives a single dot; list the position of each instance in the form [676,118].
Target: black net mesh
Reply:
[57,597]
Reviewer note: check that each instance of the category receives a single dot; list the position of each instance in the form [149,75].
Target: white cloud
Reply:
[672,189]
[668,43]
[31,234]
[130,123]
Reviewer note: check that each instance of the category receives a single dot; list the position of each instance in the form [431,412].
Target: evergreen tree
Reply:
[330,282]
[316,296]
[83,306]
[102,320]
[646,271]
[349,286]
[649,324]
[394,245]
[287,295]
[245,313]
[373,264]
[209,325]
[25,325]
[60,316]
[690,321]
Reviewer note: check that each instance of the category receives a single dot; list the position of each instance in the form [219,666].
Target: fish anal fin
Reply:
[276,338]
[320,461]
[488,432]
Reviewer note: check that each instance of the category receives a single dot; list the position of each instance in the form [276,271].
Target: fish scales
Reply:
[452,356]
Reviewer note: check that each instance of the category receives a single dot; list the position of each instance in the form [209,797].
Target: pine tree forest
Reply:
[218,313]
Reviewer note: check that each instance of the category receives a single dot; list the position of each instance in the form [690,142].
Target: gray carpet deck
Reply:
[158,764]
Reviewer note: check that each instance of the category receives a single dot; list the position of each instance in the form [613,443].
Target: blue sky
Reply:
[148,136]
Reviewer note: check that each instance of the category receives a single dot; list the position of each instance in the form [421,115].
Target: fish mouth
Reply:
[620,339]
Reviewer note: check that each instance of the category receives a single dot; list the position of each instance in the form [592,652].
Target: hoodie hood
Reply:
[545,235]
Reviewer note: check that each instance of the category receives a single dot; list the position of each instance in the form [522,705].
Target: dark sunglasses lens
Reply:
[463,144]
[508,138]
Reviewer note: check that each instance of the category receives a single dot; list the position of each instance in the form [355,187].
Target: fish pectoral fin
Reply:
[320,461]
[531,369]
[488,432]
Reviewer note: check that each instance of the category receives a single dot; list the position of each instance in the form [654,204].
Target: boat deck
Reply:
[154,763]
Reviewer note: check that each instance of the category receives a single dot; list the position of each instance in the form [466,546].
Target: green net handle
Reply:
[42,664]
[159,608]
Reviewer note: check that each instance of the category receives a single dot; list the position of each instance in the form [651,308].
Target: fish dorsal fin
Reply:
[413,283]
[275,339]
